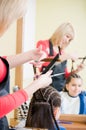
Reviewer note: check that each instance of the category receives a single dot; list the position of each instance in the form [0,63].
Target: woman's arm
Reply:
[11,101]
[22,58]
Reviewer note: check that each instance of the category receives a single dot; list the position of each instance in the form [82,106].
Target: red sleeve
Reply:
[3,70]
[44,45]
[12,101]
[67,73]
[4,57]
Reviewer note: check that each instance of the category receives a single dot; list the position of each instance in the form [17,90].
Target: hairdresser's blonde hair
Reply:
[63,29]
[11,10]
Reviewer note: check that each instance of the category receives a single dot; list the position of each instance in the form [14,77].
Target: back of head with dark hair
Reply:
[40,114]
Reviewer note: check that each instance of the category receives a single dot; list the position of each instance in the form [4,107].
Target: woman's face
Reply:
[74,88]
[65,40]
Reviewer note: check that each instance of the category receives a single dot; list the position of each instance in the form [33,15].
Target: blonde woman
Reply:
[59,40]
[11,10]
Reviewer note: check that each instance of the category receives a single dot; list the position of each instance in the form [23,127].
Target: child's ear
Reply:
[57,112]
[67,88]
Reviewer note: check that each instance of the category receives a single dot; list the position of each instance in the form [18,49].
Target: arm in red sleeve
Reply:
[3,70]
[12,101]
[44,45]
[66,73]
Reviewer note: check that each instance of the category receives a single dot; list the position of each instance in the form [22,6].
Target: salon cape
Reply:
[82,97]
[79,102]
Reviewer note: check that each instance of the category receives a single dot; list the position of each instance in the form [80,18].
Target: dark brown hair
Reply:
[40,114]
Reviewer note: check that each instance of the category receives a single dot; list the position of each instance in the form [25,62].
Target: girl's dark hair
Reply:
[40,114]
[68,80]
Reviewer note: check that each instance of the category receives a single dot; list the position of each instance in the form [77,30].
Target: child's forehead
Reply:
[77,80]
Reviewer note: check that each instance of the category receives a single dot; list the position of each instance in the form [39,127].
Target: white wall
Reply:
[29,40]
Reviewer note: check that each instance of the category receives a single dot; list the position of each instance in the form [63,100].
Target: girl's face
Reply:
[65,40]
[74,88]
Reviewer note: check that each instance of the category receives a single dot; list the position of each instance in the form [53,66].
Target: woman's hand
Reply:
[42,81]
[36,64]
[66,56]
[45,79]
[80,67]
[37,54]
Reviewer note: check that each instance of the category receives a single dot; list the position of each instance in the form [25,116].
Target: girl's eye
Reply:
[67,36]
[74,85]
[79,86]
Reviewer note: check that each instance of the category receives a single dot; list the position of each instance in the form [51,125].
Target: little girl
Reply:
[73,96]
[44,111]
